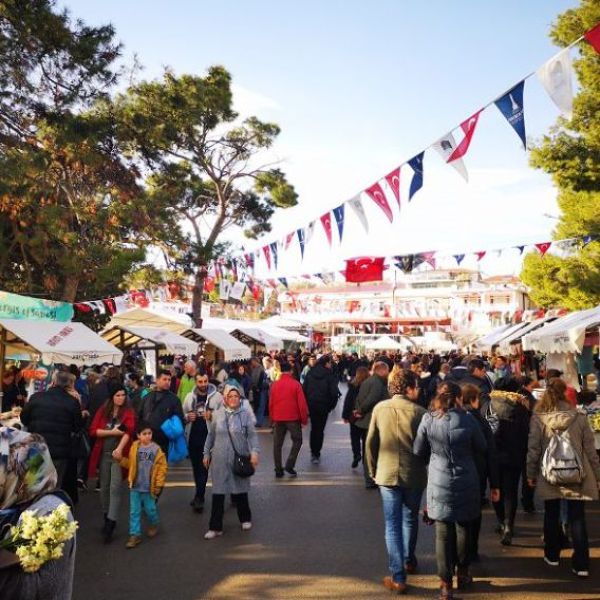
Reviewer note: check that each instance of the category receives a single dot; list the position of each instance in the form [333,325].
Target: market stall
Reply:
[257,339]
[213,340]
[385,342]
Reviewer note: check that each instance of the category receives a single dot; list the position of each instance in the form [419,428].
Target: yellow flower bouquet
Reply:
[37,540]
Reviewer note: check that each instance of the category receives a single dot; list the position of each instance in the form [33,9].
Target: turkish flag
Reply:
[376,193]
[480,255]
[209,284]
[326,221]
[288,239]
[267,253]
[360,270]
[543,247]
[468,128]
[593,37]
[393,180]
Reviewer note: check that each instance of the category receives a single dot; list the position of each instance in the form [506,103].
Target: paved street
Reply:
[320,536]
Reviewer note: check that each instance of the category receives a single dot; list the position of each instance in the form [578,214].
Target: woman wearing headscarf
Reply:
[231,430]
[28,482]
[450,438]
[113,429]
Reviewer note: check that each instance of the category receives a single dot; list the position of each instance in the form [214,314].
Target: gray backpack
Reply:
[561,464]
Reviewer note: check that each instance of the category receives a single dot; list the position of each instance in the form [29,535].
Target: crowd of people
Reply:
[460,429]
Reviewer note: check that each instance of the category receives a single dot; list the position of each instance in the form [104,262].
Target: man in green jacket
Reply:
[400,475]
[188,380]
[373,390]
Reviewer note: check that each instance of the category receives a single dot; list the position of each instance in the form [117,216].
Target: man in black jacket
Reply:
[158,406]
[56,416]
[322,393]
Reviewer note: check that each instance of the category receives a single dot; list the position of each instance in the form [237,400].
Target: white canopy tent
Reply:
[495,339]
[56,342]
[231,347]
[266,326]
[566,334]
[257,337]
[489,339]
[385,342]
[144,317]
[515,336]
[151,338]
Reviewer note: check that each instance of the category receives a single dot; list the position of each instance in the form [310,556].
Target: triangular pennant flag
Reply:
[267,253]
[593,37]
[587,239]
[480,255]
[393,180]
[543,247]
[446,146]
[288,239]
[310,230]
[404,263]
[468,128]
[459,258]
[556,77]
[284,282]
[520,248]
[301,239]
[429,258]
[376,193]
[326,222]
[418,260]
[356,205]
[338,213]
[416,164]
[511,106]
[273,247]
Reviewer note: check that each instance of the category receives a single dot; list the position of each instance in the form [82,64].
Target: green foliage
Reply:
[571,154]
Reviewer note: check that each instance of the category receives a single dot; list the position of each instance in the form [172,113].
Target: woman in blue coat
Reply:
[449,438]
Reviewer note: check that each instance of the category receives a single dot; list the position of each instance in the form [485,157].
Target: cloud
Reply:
[248,102]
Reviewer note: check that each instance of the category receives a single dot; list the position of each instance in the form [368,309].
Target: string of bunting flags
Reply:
[555,75]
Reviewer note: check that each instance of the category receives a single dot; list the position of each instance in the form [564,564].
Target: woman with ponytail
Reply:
[449,438]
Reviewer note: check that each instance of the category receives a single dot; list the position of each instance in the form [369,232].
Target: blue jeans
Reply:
[401,515]
[139,501]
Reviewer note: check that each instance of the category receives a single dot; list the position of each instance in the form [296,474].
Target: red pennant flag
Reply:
[393,180]
[376,193]
[429,258]
[468,128]
[255,289]
[480,255]
[267,253]
[359,270]
[593,37]
[544,247]
[326,221]
[272,283]
[288,239]
[209,284]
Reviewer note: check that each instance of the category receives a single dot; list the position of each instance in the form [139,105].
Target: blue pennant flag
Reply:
[404,263]
[338,213]
[511,106]
[520,248]
[301,238]
[273,247]
[459,258]
[416,163]
[284,282]
[587,239]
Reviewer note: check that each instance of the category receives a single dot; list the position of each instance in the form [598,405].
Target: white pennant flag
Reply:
[446,146]
[224,289]
[359,211]
[309,231]
[557,79]
[237,290]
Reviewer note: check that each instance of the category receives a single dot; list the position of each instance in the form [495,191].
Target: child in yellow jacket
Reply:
[147,466]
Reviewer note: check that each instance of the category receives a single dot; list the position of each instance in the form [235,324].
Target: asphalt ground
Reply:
[319,536]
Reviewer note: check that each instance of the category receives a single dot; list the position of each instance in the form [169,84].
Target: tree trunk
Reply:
[197,293]
[69,292]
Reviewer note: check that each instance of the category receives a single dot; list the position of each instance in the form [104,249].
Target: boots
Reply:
[109,529]
[463,578]
[507,535]
[445,590]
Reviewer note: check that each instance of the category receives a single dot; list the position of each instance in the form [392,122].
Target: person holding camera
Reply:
[113,428]
[197,407]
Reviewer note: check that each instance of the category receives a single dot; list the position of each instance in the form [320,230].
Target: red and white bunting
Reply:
[288,239]
[468,128]
[429,258]
[359,210]
[326,222]
[543,247]
[445,147]
[376,193]
[393,180]
[267,252]
[480,255]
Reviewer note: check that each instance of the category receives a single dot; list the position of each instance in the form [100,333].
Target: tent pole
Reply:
[2,357]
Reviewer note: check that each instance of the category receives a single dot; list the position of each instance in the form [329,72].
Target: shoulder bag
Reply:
[242,467]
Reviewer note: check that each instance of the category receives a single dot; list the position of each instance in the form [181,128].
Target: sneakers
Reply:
[211,534]
[133,541]
[291,472]
[152,531]
[552,563]
[246,526]
[278,473]
[581,573]
[315,460]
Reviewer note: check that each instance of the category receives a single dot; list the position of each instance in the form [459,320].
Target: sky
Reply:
[357,89]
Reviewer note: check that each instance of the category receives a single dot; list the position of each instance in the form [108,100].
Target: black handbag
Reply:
[80,444]
[242,467]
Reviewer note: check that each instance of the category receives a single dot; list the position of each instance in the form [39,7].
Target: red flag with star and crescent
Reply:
[593,37]
[360,270]
[376,193]
[543,247]
[468,128]
[326,222]
[393,180]
[267,253]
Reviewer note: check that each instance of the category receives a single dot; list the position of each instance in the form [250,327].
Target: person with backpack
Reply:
[509,420]
[562,464]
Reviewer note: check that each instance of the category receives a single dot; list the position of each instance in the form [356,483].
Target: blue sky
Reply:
[358,88]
